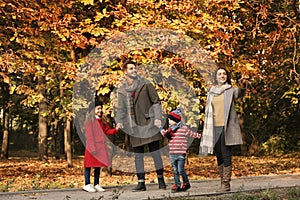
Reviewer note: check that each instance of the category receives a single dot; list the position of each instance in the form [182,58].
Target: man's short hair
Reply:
[124,65]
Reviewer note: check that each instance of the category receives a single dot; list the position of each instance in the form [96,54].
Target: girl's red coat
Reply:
[96,152]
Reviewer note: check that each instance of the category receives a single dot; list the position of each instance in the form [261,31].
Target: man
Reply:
[139,112]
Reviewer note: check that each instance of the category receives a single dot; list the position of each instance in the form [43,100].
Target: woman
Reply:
[221,128]
[96,152]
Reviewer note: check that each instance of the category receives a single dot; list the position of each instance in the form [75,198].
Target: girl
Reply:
[96,152]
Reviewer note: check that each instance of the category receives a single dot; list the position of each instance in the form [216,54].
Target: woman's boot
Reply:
[227,177]
[221,171]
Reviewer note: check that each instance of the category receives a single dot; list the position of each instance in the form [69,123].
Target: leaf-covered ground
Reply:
[31,174]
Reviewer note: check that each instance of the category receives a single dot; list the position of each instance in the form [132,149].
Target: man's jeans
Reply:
[178,162]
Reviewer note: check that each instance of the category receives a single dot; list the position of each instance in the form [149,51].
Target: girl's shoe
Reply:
[89,188]
[99,188]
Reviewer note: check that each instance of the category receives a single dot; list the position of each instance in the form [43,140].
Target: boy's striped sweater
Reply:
[178,143]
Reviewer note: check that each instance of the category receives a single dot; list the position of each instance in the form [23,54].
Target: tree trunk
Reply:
[4,148]
[68,148]
[55,141]
[42,138]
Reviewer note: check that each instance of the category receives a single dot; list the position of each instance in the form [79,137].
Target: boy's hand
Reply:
[162,131]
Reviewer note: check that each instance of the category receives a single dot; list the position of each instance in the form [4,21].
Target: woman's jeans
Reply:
[87,173]
[222,151]
[178,162]
[139,159]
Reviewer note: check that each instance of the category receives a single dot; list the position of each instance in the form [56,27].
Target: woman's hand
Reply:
[243,81]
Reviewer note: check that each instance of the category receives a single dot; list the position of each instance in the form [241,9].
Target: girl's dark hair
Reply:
[124,65]
[228,76]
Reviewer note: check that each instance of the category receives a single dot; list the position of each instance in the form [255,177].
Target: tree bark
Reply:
[67,127]
[42,138]
[68,147]
[4,148]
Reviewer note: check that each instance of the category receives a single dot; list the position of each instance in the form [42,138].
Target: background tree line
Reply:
[43,44]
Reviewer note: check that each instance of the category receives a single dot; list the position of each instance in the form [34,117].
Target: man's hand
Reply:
[157,123]
[119,125]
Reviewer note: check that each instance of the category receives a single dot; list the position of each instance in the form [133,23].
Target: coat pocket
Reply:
[149,115]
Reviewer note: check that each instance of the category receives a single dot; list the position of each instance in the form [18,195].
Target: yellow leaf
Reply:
[6,79]
[104,91]
[12,89]
[87,2]
[249,66]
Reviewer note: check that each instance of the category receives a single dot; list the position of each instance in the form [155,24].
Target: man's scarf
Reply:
[131,92]
[207,141]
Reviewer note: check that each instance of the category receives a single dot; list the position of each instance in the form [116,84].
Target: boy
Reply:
[177,134]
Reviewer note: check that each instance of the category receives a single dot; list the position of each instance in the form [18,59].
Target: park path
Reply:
[199,188]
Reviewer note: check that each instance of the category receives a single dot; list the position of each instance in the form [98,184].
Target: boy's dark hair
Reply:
[228,76]
[124,65]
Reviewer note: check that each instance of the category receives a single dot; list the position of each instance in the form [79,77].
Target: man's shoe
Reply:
[161,183]
[89,188]
[140,187]
[175,188]
[185,186]
[99,188]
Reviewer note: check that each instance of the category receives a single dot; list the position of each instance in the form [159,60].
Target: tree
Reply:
[44,43]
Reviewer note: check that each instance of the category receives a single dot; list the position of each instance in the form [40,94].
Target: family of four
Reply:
[139,115]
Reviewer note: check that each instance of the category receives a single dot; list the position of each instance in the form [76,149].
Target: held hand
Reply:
[119,126]
[157,123]
[163,132]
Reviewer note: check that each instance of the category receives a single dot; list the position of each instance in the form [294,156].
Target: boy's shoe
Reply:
[185,186]
[89,188]
[99,188]
[175,188]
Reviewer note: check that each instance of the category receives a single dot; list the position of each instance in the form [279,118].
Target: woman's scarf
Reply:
[207,141]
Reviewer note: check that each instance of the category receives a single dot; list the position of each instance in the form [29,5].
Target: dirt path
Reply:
[199,188]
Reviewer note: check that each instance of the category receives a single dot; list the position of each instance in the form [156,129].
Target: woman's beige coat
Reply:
[232,128]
